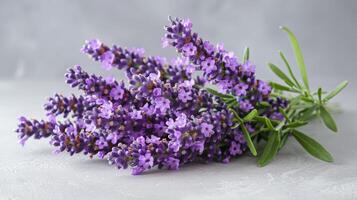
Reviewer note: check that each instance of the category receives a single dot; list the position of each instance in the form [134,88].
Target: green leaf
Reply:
[235,115]
[281,74]
[246,54]
[231,102]
[283,140]
[296,124]
[251,115]
[312,146]
[289,69]
[319,94]
[336,91]
[218,94]
[278,86]
[270,149]
[280,125]
[268,123]
[328,119]
[248,140]
[298,56]
[307,113]
[264,104]
[235,126]
[307,99]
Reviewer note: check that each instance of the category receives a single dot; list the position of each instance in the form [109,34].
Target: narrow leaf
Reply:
[278,86]
[307,113]
[298,56]
[281,74]
[289,69]
[268,123]
[312,146]
[319,94]
[270,149]
[246,54]
[231,102]
[336,91]
[235,115]
[328,119]
[264,104]
[265,119]
[280,125]
[251,115]
[235,126]
[249,140]
[307,99]
[283,140]
[218,94]
[296,124]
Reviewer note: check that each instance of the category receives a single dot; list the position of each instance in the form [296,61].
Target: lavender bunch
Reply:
[166,116]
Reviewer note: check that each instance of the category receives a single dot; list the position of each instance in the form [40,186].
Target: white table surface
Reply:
[33,172]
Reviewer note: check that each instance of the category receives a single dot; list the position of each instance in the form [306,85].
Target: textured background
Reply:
[40,39]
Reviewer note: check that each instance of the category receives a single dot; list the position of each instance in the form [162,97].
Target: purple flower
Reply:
[199,146]
[208,47]
[264,88]
[146,161]
[107,60]
[239,138]
[189,49]
[184,96]
[155,76]
[117,93]
[240,89]
[224,85]
[33,128]
[164,42]
[101,143]
[174,146]
[277,116]
[187,24]
[181,120]
[162,104]
[177,134]
[188,84]
[172,163]
[106,110]
[235,149]
[136,114]
[248,68]
[245,106]
[160,128]
[209,66]
[164,117]
[171,124]
[113,137]
[231,61]
[157,92]
[206,129]
[91,45]
[90,127]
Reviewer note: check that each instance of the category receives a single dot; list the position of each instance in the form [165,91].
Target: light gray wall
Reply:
[40,39]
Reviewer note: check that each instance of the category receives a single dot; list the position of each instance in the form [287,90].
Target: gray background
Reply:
[40,39]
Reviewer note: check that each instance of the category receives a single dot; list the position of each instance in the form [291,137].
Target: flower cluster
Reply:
[163,117]
[219,66]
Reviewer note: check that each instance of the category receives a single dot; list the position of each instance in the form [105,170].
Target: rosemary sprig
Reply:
[303,106]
